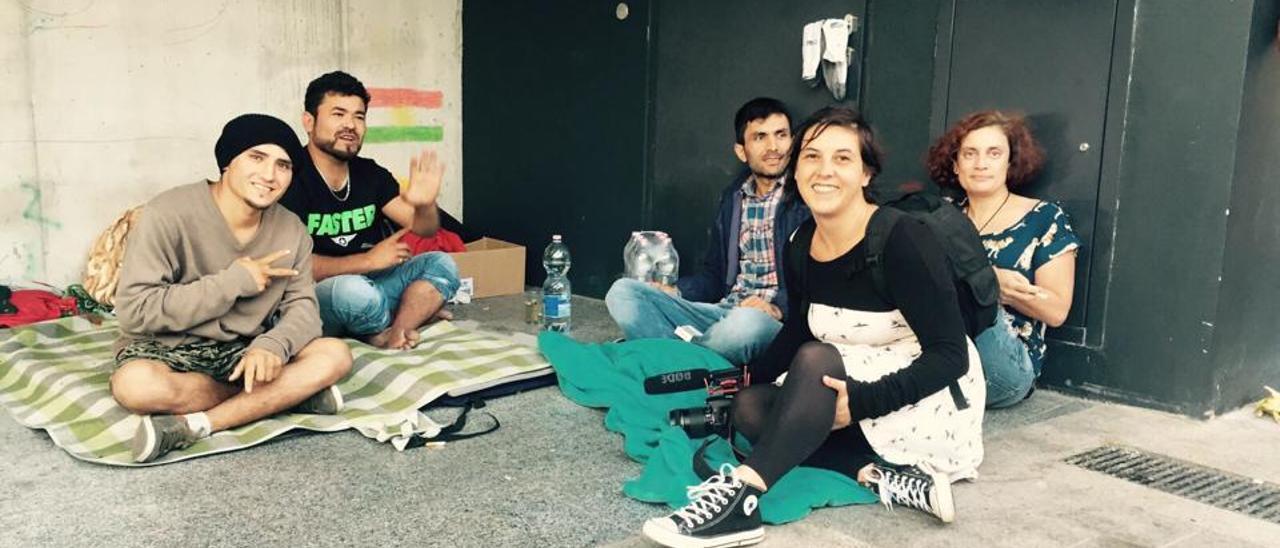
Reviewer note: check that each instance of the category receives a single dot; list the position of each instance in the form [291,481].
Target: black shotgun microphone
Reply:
[677,381]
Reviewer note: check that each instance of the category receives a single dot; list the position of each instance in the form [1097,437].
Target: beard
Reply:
[769,175]
[330,147]
[762,171]
[775,174]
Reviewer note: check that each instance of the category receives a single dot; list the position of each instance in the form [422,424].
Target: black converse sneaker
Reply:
[917,487]
[723,511]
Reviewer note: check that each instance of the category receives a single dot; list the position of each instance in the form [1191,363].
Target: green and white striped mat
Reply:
[53,376]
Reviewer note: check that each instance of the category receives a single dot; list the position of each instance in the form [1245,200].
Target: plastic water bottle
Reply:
[635,261]
[666,262]
[556,290]
[649,256]
[629,252]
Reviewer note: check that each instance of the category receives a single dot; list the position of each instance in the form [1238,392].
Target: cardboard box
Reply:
[496,267]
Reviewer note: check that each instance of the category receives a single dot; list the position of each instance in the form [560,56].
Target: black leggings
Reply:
[790,425]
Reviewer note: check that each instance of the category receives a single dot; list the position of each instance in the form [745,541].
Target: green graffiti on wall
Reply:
[33,211]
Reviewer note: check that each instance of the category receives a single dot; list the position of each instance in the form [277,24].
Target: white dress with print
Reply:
[932,430]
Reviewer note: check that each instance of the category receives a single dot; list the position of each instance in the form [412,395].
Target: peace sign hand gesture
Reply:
[262,271]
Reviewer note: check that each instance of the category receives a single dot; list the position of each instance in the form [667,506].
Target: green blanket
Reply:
[612,376]
[53,376]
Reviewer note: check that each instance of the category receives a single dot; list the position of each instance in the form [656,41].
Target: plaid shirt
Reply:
[757,275]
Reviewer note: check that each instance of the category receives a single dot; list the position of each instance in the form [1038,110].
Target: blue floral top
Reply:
[1042,235]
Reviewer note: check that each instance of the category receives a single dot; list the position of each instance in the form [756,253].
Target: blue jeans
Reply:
[644,312]
[1006,364]
[360,304]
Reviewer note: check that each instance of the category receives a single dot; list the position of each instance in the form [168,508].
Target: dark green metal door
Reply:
[554,128]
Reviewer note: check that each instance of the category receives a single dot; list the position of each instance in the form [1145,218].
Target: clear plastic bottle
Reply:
[556,290]
[649,256]
[666,262]
[635,262]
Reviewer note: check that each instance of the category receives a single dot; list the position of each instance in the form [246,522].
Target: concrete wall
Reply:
[108,103]
[20,237]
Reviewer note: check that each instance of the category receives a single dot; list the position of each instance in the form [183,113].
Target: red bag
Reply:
[34,305]
[443,241]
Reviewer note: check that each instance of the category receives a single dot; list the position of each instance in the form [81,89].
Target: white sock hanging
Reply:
[835,56]
[811,53]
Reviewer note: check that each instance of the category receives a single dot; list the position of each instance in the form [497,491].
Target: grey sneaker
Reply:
[159,434]
[917,487]
[324,402]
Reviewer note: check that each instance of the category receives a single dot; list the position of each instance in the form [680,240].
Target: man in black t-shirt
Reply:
[369,285]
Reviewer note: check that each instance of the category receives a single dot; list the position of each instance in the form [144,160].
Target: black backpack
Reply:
[974,277]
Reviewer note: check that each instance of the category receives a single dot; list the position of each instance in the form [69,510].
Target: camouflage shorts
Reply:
[216,359]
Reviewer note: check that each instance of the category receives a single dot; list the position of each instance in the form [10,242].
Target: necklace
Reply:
[997,212]
[346,185]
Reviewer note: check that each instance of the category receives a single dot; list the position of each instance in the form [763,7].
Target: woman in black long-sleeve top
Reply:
[874,386]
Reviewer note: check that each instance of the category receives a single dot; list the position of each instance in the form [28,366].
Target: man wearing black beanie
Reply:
[369,285]
[217,307]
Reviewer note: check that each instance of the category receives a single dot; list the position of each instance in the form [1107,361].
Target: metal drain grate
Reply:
[1214,487]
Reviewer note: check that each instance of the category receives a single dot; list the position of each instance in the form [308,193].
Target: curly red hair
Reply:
[1026,158]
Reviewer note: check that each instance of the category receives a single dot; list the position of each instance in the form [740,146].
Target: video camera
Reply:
[716,415]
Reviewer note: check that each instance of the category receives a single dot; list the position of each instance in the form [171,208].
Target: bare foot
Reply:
[419,304]
[395,338]
[385,339]
[443,314]
[403,338]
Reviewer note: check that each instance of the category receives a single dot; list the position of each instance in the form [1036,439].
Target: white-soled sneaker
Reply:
[918,487]
[325,402]
[722,511]
[159,434]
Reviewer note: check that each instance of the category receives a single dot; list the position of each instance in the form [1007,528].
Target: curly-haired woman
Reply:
[988,155]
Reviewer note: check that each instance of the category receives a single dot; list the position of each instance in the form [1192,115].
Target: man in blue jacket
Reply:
[738,299]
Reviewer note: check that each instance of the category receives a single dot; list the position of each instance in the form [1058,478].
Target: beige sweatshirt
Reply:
[179,282]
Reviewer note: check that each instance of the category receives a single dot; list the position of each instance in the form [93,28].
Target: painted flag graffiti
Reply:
[397,109]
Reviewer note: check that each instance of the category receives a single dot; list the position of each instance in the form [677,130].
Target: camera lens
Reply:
[694,421]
